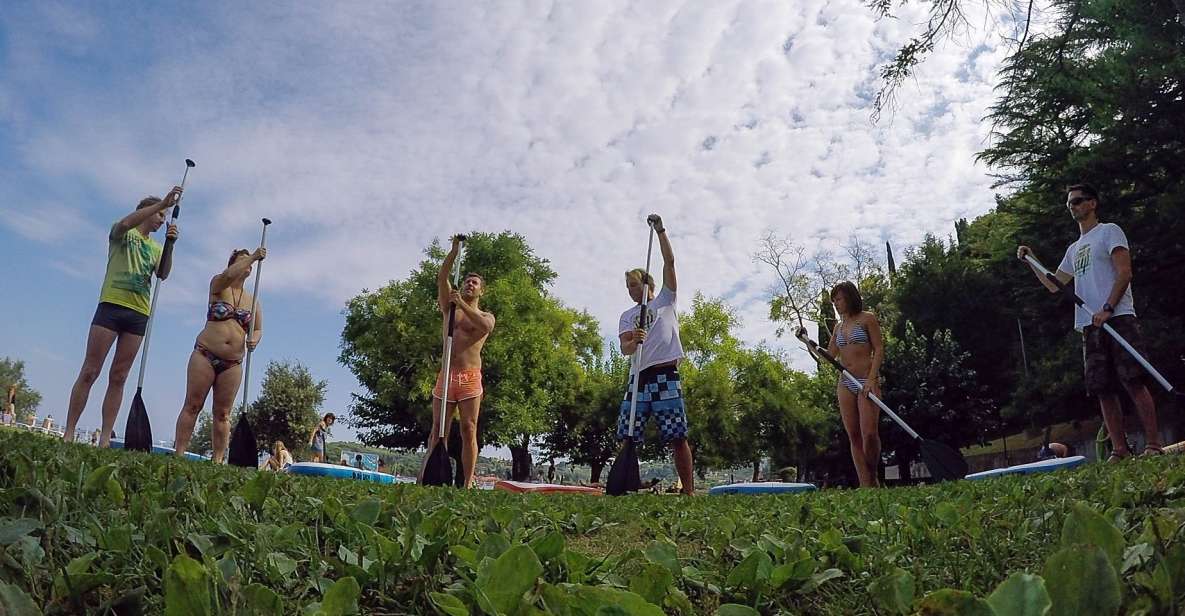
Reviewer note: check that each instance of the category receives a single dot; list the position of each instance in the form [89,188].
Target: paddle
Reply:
[244,451]
[1069,292]
[625,475]
[438,470]
[137,432]
[943,462]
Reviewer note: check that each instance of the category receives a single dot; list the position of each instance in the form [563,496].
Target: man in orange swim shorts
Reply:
[470,330]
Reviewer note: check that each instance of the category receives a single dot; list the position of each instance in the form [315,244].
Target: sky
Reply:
[366,130]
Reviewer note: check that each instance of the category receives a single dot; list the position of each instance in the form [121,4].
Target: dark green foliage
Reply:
[27,399]
[288,406]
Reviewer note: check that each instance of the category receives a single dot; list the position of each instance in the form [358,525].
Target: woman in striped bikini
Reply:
[858,345]
[214,363]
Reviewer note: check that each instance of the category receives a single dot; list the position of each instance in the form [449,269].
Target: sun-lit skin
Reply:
[859,414]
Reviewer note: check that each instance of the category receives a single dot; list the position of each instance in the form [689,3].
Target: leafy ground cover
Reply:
[84,530]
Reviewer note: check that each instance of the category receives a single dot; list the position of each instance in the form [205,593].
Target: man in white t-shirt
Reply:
[656,351]
[1100,265]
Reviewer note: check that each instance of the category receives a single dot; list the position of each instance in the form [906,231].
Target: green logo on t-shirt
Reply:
[1082,260]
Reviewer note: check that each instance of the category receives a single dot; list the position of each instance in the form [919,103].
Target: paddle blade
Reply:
[439,470]
[625,474]
[243,449]
[944,463]
[137,433]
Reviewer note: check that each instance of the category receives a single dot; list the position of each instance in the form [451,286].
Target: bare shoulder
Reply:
[869,317]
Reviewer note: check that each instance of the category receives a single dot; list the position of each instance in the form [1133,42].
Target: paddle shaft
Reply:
[168,250]
[448,343]
[641,324]
[818,352]
[251,325]
[1106,326]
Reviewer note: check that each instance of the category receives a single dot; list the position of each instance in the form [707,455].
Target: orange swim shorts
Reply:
[463,385]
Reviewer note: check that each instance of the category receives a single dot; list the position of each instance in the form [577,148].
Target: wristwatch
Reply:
[1108,308]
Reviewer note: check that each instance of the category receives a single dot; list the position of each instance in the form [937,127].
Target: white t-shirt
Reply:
[662,330]
[1088,260]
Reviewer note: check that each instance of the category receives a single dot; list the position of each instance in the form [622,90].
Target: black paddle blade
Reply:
[243,449]
[439,470]
[625,475]
[137,433]
[944,463]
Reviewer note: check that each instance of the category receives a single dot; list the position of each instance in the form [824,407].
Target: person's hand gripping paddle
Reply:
[243,451]
[943,462]
[137,432]
[1078,301]
[625,474]
[438,470]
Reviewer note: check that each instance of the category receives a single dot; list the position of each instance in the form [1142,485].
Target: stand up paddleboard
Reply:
[1044,466]
[763,487]
[117,443]
[317,469]
[522,487]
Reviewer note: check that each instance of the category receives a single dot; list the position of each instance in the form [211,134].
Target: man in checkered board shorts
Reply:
[656,349]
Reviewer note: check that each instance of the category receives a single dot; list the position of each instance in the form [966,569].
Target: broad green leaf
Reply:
[510,576]
[1081,581]
[14,600]
[263,600]
[157,557]
[493,546]
[1020,594]
[652,582]
[820,578]
[342,598]
[228,567]
[12,530]
[282,564]
[894,592]
[590,599]
[753,571]
[947,513]
[449,604]
[114,491]
[367,511]
[663,552]
[255,491]
[736,609]
[1085,526]
[187,588]
[96,480]
[951,602]
[549,546]
[464,554]
[1135,556]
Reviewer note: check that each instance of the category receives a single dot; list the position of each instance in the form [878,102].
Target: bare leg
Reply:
[199,379]
[433,435]
[683,465]
[1113,419]
[469,411]
[1146,409]
[850,415]
[226,385]
[98,344]
[870,432]
[125,355]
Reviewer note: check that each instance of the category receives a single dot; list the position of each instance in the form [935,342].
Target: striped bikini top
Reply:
[859,335]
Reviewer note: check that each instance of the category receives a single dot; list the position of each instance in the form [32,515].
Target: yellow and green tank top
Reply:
[131,260]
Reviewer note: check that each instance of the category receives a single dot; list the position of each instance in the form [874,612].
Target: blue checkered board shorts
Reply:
[661,398]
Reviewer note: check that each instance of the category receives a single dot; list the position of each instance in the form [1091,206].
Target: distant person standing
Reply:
[10,405]
[317,438]
[124,303]
[1099,263]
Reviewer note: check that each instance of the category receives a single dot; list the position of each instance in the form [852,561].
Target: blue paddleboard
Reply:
[1044,466]
[318,469]
[117,443]
[763,487]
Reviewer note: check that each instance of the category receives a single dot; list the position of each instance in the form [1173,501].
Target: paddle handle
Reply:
[148,334]
[251,325]
[446,375]
[1078,301]
[635,362]
[814,349]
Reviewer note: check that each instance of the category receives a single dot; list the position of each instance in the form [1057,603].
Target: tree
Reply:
[929,384]
[12,371]
[532,361]
[585,430]
[202,441]
[288,406]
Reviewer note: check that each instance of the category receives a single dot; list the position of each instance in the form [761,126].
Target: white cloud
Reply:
[366,131]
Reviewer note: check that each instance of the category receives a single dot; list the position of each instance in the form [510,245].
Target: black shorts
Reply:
[1106,363]
[120,319]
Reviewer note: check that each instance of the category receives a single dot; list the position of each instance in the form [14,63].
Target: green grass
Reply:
[88,530]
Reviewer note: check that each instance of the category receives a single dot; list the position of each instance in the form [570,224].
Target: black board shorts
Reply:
[120,319]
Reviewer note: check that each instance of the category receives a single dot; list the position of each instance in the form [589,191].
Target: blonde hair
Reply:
[640,275]
[277,447]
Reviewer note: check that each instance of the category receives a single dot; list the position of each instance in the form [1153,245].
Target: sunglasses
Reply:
[1078,200]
